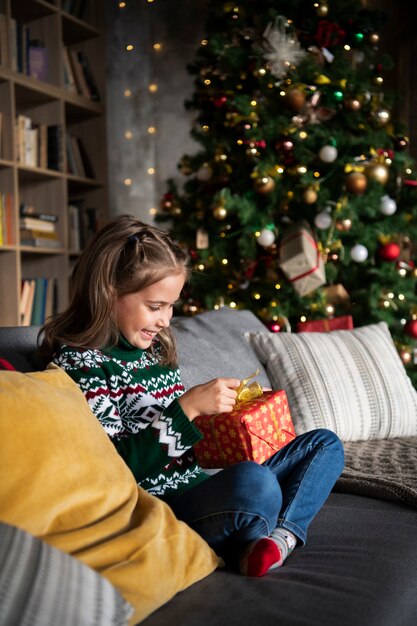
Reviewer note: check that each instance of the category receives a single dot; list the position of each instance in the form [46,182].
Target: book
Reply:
[24,298]
[36,224]
[74,242]
[38,62]
[78,72]
[55,147]
[27,315]
[39,301]
[69,78]
[27,210]
[8,208]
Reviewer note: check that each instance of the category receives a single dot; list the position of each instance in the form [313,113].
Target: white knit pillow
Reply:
[350,381]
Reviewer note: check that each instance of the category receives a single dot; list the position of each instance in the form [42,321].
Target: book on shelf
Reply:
[39,238]
[78,160]
[38,300]
[3,39]
[35,223]
[78,68]
[38,61]
[69,78]
[55,147]
[74,232]
[1,135]
[26,301]
[74,7]
[28,210]
[7,236]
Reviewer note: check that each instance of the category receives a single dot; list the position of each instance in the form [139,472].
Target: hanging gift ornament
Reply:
[264,184]
[387,205]
[356,183]
[328,154]
[282,50]
[266,237]
[359,253]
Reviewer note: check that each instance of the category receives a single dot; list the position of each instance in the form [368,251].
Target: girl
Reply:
[114,340]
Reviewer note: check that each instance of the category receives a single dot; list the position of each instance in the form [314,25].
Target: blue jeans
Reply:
[247,500]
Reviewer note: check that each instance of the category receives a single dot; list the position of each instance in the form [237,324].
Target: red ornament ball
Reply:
[411,328]
[390,252]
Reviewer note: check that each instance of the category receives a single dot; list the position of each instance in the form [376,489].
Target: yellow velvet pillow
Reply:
[63,481]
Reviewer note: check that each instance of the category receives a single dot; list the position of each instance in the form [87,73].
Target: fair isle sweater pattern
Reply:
[135,400]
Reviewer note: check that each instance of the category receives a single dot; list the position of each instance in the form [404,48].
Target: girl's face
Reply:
[142,315]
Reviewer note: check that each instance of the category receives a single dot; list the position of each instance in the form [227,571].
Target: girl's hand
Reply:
[216,396]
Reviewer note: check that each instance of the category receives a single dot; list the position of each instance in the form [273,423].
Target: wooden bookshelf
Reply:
[39,109]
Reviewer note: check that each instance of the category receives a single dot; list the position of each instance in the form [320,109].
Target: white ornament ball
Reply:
[323,220]
[359,253]
[328,154]
[387,206]
[266,237]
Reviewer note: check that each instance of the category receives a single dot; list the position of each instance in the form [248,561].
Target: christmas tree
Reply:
[301,203]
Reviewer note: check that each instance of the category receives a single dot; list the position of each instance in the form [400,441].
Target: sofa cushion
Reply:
[64,482]
[351,381]
[39,583]
[211,344]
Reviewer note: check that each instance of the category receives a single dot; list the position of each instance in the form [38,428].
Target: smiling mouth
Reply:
[148,333]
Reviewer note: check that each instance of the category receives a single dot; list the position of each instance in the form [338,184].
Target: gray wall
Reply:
[178,26]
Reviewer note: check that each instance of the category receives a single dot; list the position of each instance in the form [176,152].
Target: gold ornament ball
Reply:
[176,211]
[264,184]
[295,100]
[374,38]
[309,195]
[352,104]
[356,183]
[378,172]
[344,225]
[219,212]
[406,356]
[322,10]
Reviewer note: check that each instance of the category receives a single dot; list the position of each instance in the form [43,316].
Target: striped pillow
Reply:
[350,381]
[42,586]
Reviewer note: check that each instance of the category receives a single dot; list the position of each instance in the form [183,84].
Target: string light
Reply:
[153,87]
[129,47]
[128,134]
[127,93]
[157,47]
[153,211]
[151,130]
[151,171]
[127,182]
[122,5]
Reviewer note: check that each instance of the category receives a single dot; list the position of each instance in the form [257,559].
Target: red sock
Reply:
[260,556]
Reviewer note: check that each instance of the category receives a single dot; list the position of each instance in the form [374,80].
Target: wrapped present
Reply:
[343,322]
[337,295]
[300,259]
[256,429]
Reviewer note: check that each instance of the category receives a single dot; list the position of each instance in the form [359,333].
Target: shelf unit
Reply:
[48,102]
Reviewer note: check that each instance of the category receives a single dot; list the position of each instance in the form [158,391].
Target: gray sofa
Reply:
[359,567]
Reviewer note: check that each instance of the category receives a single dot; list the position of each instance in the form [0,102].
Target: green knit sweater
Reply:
[135,400]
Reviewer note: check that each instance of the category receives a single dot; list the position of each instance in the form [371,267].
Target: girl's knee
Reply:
[332,443]
[257,482]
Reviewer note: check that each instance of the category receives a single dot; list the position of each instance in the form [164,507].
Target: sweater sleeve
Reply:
[146,435]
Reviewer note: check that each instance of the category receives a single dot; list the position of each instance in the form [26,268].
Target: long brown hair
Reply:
[125,256]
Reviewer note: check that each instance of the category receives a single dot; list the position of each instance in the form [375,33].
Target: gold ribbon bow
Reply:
[247,392]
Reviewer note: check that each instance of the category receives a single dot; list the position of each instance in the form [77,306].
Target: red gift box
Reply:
[343,322]
[253,431]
